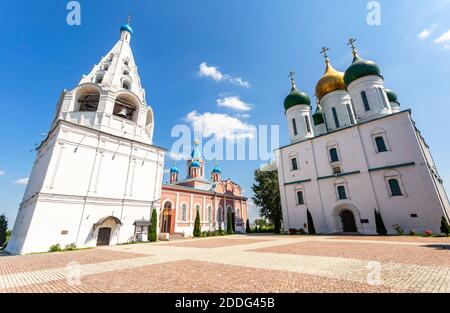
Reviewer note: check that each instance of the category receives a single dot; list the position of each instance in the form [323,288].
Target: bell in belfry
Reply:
[123,112]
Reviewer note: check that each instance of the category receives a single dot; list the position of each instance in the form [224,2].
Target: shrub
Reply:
[292,231]
[301,231]
[197,230]
[311,228]
[54,248]
[398,229]
[70,247]
[247,227]
[428,233]
[381,229]
[8,235]
[152,233]
[3,230]
[412,233]
[445,227]
[229,224]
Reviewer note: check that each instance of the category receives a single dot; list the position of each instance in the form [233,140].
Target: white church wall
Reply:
[369,85]
[338,100]
[364,177]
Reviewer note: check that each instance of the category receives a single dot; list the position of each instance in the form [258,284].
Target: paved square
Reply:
[256,263]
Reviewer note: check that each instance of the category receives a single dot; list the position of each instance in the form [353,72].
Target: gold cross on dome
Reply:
[351,43]
[292,77]
[129,19]
[324,52]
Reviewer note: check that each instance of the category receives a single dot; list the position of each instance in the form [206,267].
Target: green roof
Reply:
[296,98]
[318,116]
[360,68]
[391,96]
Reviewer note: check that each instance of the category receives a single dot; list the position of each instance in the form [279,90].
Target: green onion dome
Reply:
[360,68]
[391,96]
[296,97]
[318,116]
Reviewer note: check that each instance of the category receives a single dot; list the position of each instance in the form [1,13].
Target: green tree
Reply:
[311,228]
[247,227]
[267,195]
[229,224]
[445,227]
[381,229]
[197,230]
[3,230]
[152,233]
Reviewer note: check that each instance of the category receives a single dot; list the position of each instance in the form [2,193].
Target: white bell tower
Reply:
[97,172]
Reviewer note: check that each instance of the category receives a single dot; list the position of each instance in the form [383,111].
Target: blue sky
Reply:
[258,41]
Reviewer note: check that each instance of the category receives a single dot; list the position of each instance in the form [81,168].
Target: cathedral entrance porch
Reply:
[104,230]
[347,219]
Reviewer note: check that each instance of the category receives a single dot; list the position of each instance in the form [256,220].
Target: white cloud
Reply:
[2,172]
[234,103]
[424,34]
[214,73]
[222,126]
[210,71]
[178,156]
[444,38]
[22,181]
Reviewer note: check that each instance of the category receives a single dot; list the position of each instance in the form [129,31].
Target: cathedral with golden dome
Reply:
[358,164]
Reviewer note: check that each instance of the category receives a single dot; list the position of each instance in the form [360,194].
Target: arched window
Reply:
[294,164]
[126,61]
[394,185]
[381,145]
[341,193]
[209,214]
[294,127]
[105,67]
[125,72]
[350,114]
[126,85]
[99,79]
[237,213]
[382,97]
[220,214]
[88,99]
[365,101]
[183,214]
[334,157]
[335,117]
[308,125]
[125,107]
[300,198]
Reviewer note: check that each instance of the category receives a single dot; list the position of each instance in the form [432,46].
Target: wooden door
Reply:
[104,235]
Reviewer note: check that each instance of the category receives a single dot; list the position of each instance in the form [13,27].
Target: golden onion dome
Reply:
[331,80]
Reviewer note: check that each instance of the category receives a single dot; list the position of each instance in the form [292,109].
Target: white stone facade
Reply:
[97,170]
[365,175]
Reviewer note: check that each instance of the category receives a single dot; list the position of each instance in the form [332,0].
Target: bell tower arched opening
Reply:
[88,99]
[125,107]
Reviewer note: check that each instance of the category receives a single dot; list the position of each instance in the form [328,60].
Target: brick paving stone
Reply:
[414,239]
[237,264]
[36,262]
[210,243]
[409,254]
[192,276]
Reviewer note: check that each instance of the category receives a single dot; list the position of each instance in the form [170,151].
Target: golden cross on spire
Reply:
[324,52]
[351,43]
[129,19]
[292,77]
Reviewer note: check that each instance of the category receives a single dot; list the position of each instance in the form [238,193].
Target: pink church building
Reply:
[212,198]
